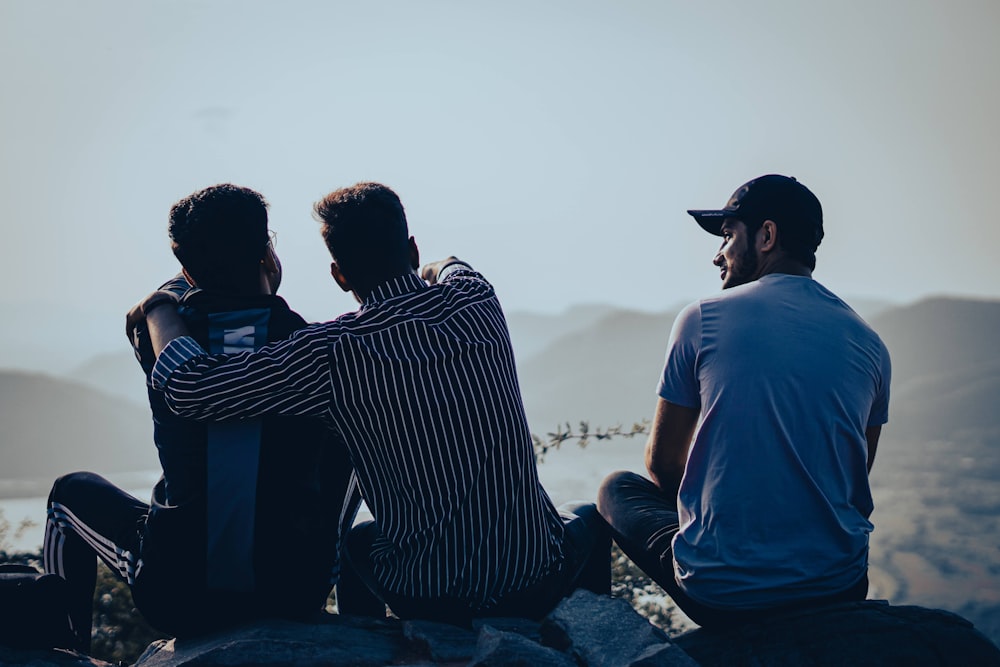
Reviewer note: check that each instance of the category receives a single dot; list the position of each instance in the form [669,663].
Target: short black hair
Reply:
[219,235]
[790,239]
[364,227]
[800,244]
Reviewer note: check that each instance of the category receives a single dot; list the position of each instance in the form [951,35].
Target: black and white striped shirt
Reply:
[420,383]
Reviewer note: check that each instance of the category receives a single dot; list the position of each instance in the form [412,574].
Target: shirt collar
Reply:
[404,284]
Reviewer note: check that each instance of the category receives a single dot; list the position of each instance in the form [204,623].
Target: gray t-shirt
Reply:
[775,501]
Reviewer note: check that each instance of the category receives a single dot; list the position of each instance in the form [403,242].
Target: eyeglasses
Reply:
[272,239]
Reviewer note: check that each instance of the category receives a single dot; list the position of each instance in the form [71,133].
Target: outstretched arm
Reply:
[432,271]
[669,444]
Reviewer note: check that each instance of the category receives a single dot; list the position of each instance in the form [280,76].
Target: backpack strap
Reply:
[233,459]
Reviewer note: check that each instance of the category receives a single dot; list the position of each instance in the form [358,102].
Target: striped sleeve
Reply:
[289,377]
[451,267]
[177,352]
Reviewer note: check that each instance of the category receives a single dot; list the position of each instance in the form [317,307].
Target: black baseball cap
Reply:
[782,199]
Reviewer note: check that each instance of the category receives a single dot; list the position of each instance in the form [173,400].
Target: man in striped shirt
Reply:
[420,383]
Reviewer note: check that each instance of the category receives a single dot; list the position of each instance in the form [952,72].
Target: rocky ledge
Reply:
[585,630]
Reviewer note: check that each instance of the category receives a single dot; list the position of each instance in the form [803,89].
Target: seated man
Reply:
[244,521]
[420,383]
[767,509]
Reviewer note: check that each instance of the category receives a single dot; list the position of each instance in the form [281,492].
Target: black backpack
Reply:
[34,609]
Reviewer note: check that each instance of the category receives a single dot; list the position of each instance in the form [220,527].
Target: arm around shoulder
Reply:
[290,377]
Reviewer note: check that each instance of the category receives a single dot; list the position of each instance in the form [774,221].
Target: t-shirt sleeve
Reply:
[679,382]
[880,406]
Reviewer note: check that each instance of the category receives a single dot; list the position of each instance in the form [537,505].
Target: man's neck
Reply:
[239,291]
[250,287]
[362,294]
[787,266]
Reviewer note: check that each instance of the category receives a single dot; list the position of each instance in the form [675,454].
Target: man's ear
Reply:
[414,254]
[341,279]
[270,271]
[767,237]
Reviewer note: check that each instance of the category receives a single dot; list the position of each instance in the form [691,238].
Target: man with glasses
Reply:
[245,521]
[421,384]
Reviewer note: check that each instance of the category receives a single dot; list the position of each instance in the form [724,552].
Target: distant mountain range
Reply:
[115,373]
[946,366]
[935,479]
[604,373]
[603,368]
[595,363]
[50,426]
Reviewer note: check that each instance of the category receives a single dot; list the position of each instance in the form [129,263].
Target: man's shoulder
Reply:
[800,299]
[781,297]
[460,275]
[777,290]
[734,297]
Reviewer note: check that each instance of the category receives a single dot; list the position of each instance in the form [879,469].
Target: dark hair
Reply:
[792,239]
[800,243]
[219,235]
[364,227]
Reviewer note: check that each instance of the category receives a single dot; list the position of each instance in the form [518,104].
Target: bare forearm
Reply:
[666,477]
[164,325]
[668,445]
[157,315]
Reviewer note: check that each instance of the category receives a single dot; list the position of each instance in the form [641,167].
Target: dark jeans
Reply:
[588,565]
[644,521]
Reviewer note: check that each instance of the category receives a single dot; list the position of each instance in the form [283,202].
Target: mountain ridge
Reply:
[51,426]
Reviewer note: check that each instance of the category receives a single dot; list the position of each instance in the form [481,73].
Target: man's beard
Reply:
[747,269]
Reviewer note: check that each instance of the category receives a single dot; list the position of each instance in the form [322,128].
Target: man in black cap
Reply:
[771,403]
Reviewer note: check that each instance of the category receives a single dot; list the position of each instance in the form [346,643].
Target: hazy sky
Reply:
[554,145]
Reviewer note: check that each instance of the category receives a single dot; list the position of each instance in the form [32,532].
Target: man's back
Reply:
[235,500]
[421,385]
[775,501]
[427,395]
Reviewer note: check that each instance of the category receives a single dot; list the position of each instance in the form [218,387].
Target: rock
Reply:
[497,648]
[336,640]
[585,630]
[664,655]
[443,642]
[9,657]
[855,633]
[522,626]
[600,631]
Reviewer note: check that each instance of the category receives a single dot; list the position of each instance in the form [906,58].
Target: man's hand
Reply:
[430,272]
[137,315]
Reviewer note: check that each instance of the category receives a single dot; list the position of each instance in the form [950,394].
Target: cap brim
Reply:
[711,221]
